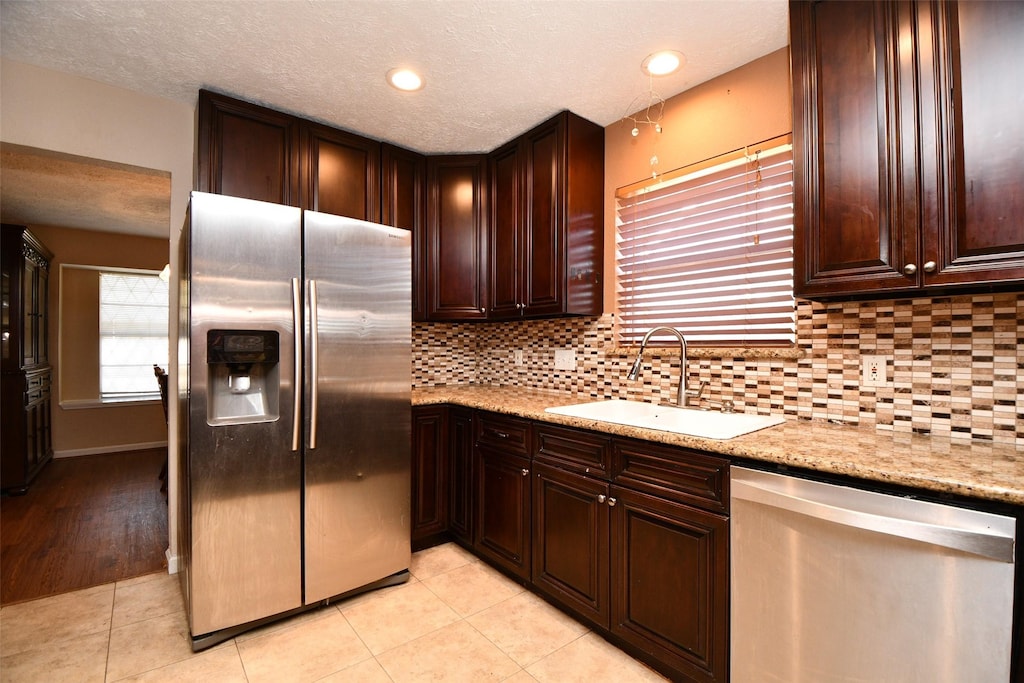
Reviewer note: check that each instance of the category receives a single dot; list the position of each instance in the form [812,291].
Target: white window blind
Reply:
[133,334]
[710,251]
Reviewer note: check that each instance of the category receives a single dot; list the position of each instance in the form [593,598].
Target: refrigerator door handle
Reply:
[296,317]
[314,370]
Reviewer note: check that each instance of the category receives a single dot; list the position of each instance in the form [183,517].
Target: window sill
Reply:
[90,403]
[745,352]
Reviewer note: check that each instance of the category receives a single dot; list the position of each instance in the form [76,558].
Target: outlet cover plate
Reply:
[873,371]
[565,359]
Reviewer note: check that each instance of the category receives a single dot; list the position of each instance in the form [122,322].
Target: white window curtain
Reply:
[709,251]
[133,335]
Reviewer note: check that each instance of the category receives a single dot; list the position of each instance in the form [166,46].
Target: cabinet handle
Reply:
[910,269]
[601,498]
[526,472]
[929,267]
[495,432]
[612,502]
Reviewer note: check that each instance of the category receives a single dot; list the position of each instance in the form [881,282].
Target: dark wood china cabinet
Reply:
[27,441]
[908,137]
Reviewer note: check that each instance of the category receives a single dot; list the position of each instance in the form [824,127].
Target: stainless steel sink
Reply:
[692,422]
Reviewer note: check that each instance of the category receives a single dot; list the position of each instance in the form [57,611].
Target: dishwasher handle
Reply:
[992,545]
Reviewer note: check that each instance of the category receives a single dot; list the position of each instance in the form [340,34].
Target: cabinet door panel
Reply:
[246,150]
[854,127]
[570,540]
[429,472]
[456,239]
[403,205]
[503,509]
[670,575]
[342,173]
[973,216]
[462,480]
[506,214]
[543,254]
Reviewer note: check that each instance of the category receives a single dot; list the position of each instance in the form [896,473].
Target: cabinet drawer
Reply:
[507,433]
[573,449]
[37,386]
[674,473]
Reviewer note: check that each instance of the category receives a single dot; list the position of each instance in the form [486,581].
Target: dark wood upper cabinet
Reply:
[973,188]
[340,173]
[456,238]
[907,145]
[404,205]
[250,151]
[247,151]
[547,221]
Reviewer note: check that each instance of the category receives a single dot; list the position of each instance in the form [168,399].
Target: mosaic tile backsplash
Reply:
[955,364]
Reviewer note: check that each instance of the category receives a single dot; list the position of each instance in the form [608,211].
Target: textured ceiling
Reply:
[50,188]
[493,68]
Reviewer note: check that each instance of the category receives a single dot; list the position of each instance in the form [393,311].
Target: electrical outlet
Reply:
[873,371]
[565,359]
[517,357]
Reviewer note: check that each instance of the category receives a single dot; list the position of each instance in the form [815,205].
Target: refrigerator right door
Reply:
[357,398]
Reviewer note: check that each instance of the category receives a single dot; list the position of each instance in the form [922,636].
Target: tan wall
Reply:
[64,113]
[747,105]
[87,430]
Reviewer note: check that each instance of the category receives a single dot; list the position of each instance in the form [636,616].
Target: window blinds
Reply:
[710,252]
[133,334]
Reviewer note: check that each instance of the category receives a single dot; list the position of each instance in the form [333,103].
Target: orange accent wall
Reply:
[746,105]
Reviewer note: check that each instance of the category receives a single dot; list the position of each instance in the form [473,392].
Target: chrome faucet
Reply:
[682,393]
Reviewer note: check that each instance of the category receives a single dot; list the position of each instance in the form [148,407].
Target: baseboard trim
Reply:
[172,562]
[120,448]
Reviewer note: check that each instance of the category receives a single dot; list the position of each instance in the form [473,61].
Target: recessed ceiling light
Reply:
[405,79]
[663,63]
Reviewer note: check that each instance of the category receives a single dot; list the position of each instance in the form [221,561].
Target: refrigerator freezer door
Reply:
[357,461]
[244,480]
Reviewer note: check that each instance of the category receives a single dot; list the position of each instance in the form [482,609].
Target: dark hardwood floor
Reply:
[85,521]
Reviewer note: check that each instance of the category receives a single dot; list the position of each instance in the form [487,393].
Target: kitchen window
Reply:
[708,249]
[133,334]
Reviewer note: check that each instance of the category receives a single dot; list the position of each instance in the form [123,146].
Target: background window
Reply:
[708,249]
[133,334]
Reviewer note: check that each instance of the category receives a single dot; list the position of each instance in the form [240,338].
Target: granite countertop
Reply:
[977,469]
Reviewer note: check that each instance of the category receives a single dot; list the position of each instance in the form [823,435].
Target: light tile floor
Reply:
[456,619]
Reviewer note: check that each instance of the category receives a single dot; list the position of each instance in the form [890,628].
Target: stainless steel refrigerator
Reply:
[295,456]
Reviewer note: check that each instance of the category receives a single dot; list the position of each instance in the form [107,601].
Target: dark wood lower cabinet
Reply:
[462,487]
[429,474]
[570,540]
[670,575]
[503,509]
[645,564]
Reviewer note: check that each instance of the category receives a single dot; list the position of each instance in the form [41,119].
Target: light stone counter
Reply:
[968,468]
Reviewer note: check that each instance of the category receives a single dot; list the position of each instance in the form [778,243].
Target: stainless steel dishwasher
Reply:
[831,583]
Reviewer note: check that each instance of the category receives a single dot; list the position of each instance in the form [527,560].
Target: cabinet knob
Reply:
[929,267]
[910,269]
[612,502]
[601,498]
[526,472]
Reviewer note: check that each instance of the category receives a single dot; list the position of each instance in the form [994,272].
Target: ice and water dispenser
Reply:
[244,378]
